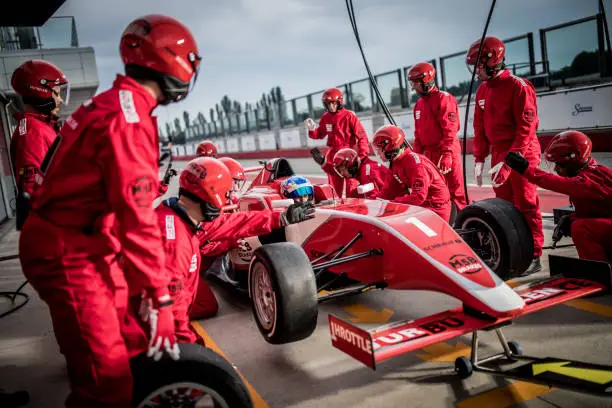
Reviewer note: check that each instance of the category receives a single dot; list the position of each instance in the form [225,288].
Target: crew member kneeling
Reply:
[358,172]
[588,185]
[414,178]
[195,217]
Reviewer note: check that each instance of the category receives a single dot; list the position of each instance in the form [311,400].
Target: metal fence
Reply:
[572,52]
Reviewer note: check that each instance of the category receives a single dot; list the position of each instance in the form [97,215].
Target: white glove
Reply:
[478,173]
[310,124]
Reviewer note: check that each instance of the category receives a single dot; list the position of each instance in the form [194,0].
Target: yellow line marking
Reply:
[587,305]
[444,352]
[258,401]
[504,397]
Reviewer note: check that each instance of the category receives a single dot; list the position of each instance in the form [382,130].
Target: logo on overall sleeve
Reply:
[141,192]
[194,263]
[529,115]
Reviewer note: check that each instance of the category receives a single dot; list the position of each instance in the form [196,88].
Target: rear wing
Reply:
[374,346]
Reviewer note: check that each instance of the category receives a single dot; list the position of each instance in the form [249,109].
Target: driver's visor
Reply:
[63,92]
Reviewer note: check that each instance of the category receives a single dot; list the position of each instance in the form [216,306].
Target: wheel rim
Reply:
[184,395]
[485,245]
[264,297]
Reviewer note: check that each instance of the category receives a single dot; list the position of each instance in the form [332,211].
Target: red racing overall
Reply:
[436,123]
[506,119]
[96,204]
[370,171]
[591,194]
[342,129]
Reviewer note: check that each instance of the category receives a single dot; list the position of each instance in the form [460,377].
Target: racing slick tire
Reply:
[199,375]
[504,241]
[283,292]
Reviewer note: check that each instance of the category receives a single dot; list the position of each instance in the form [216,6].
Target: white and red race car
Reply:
[355,245]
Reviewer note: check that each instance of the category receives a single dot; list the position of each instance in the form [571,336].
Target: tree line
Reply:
[227,108]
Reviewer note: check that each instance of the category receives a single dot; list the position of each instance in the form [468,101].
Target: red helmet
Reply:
[333,95]
[206,180]
[348,158]
[206,149]
[236,172]
[162,49]
[34,81]
[569,148]
[388,140]
[491,55]
[422,71]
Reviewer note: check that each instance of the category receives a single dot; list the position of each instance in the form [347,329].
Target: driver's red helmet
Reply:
[345,157]
[387,141]
[34,81]
[333,95]
[161,48]
[423,71]
[208,179]
[491,55]
[206,149]
[571,148]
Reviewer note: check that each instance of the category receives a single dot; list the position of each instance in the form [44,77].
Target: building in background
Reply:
[25,36]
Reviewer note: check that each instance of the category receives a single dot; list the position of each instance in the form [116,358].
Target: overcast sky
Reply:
[303,46]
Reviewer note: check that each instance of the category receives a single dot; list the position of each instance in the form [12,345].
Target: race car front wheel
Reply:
[283,292]
[498,233]
[200,378]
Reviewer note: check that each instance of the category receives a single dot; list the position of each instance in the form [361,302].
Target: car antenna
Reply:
[381,102]
[467,106]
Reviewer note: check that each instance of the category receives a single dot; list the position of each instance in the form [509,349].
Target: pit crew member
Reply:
[238,177]
[588,185]
[206,149]
[436,123]
[414,180]
[194,219]
[358,171]
[95,208]
[40,84]
[505,120]
[342,129]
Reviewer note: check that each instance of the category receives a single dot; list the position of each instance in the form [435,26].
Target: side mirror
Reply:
[282,203]
[365,188]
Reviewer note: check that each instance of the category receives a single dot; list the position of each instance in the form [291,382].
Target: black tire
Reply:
[463,367]
[283,292]
[515,348]
[511,245]
[453,214]
[198,368]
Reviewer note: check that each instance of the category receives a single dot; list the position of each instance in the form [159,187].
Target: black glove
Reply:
[169,174]
[517,162]
[317,156]
[562,229]
[297,212]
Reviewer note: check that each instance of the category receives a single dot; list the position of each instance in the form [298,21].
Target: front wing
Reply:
[371,347]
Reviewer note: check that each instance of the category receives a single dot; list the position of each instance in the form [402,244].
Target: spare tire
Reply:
[200,375]
[283,292]
[499,234]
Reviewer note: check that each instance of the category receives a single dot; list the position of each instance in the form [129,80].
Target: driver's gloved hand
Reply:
[317,156]
[563,228]
[297,212]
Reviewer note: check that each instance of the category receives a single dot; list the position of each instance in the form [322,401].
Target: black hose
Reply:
[467,107]
[381,102]
[13,295]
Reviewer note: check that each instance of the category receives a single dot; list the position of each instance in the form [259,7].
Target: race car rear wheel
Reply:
[200,378]
[283,292]
[498,233]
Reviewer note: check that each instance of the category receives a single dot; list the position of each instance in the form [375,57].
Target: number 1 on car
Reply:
[420,225]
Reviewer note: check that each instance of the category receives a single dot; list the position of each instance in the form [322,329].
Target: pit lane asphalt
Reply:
[311,373]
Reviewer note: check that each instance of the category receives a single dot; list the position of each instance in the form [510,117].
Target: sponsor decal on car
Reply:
[441,244]
[465,264]
[404,334]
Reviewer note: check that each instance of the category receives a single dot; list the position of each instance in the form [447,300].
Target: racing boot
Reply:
[534,267]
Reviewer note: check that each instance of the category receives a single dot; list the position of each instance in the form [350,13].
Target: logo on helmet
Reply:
[195,173]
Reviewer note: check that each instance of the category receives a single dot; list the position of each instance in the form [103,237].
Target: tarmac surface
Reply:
[311,373]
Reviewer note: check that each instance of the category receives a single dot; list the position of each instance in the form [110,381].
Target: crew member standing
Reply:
[42,87]
[436,123]
[506,120]
[342,129]
[95,209]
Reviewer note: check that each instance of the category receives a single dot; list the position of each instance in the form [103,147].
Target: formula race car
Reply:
[354,245]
